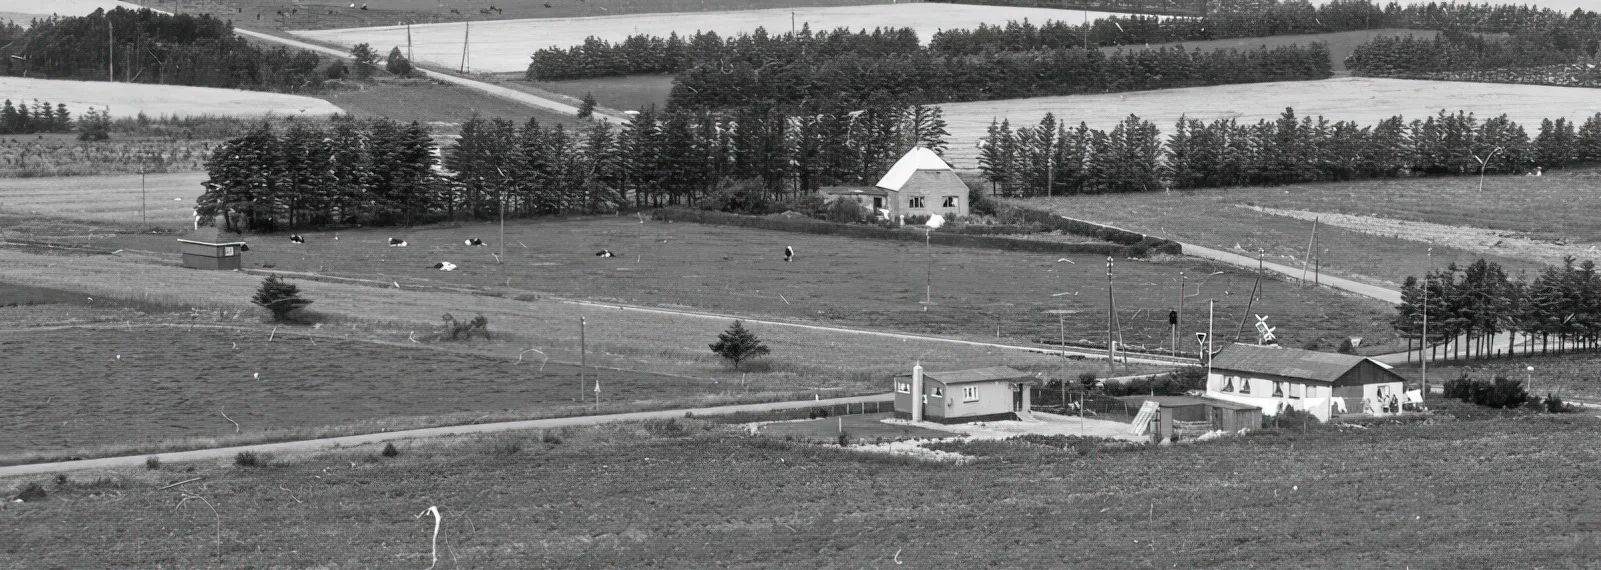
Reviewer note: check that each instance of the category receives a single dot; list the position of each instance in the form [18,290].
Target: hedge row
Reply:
[1053,222]
[810,226]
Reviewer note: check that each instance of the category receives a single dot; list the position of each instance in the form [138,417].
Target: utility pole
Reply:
[1111,312]
[928,282]
[583,355]
[143,219]
[1423,349]
[466,34]
[111,51]
[1210,303]
[408,42]
[1181,304]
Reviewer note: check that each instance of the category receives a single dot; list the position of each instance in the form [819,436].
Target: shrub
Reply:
[458,330]
[818,413]
[397,64]
[1346,347]
[845,211]
[390,451]
[1555,405]
[279,297]
[1174,383]
[586,109]
[152,462]
[844,439]
[248,459]
[1498,393]
[366,60]
[94,125]
[32,492]
[1088,380]
[549,438]
[738,344]
[979,202]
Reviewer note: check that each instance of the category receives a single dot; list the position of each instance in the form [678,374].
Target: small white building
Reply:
[1322,383]
[922,184]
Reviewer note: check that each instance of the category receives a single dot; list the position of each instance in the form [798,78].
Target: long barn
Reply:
[1321,383]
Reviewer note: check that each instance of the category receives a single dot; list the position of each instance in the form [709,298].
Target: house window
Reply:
[878,203]
[903,387]
[1245,385]
[1278,390]
[970,394]
[1297,391]
[939,392]
[916,202]
[950,202]
[1228,383]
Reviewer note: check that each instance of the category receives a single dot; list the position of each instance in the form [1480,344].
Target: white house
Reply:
[922,184]
[1322,383]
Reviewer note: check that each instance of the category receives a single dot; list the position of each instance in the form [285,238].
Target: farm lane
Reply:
[374,438]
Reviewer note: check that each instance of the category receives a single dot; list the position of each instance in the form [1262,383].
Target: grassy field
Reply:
[131,99]
[169,199]
[504,46]
[627,93]
[1378,231]
[442,106]
[1363,100]
[858,427]
[1485,490]
[869,283]
[24,11]
[91,387]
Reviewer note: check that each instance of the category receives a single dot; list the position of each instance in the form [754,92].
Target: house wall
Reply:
[933,186]
[1307,396]
[993,398]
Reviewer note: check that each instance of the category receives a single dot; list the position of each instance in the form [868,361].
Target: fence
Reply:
[808,225]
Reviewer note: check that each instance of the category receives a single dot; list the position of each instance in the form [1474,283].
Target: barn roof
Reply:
[1182,401]
[211,235]
[1286,362]
[991,374]
[919,158]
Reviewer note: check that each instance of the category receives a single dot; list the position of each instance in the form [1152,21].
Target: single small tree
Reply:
[279,297]
[94,125]
[398,65]
[365,58]
[738,345]
[586,109]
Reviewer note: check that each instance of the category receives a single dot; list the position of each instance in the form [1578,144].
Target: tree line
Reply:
[644,54]
[1053,158]
[1468,306]
[1274,20]
[39,118]
[143,46]
[378,172]
[1458,51]
[922,78]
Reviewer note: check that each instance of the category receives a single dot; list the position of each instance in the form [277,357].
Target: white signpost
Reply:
[1265,332]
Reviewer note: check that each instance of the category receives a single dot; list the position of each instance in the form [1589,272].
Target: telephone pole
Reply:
[583,355]
[1423,349]
[1111,312]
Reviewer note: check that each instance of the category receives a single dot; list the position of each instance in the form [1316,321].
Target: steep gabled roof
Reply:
[918,158]
[1286,362]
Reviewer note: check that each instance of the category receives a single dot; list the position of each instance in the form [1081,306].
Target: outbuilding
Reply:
[1321,383]
[1188,416]
[981,394]
[870,198]
[923,184]
[207,248]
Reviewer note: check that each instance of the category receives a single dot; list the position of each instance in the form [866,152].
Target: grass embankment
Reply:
[1492,489]
[1521,222]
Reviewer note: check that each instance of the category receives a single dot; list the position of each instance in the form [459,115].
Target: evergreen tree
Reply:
[366,60]
[397,64]
[279,297]
[738,345]
[586,109]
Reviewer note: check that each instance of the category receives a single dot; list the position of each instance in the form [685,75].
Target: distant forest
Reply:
[143,46]
[1133,157]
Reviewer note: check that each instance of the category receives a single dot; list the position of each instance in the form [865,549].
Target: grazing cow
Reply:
[789,253]
[475,242]
[295,238]
[445,266]
[1535,172]
[605,253]
[397,242]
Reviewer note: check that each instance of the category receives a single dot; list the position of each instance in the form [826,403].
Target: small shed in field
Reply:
[923,184]
[1188,416]
[868,197]
[1321,383]
[208,248]
[981,394]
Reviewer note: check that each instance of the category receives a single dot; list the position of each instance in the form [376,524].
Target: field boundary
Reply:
[873,232]
[332,443]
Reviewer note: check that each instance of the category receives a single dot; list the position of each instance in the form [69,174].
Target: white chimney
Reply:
[917,393]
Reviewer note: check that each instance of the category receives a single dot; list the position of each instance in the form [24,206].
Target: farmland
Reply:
[170,197]
[1568,376]
[131,99]
[315,14]
[92,387]
[442,106]
[869,283]
[658,493]
[1378,230]
[1341,44]
[1362,100]
[25,11]
[505,45]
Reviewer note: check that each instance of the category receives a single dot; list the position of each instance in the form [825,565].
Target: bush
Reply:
[249,459]
[279,297]
[818,413]
[549,438]
[397,64]
[1088,381]
[979,202]
[586,109]
[844,439]
[94,125]
[845,211]
[366,59]
[1346,347]
[738,345]
[458,330]
[1555,405]
[152,462]
[32,492]
[1174,383]
[390,451]
[1498,393]
[739,197]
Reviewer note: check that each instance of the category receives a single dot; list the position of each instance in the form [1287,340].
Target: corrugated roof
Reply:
[846,190]
[918,158]
[990,374]
[1287,362]
[1179,401]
